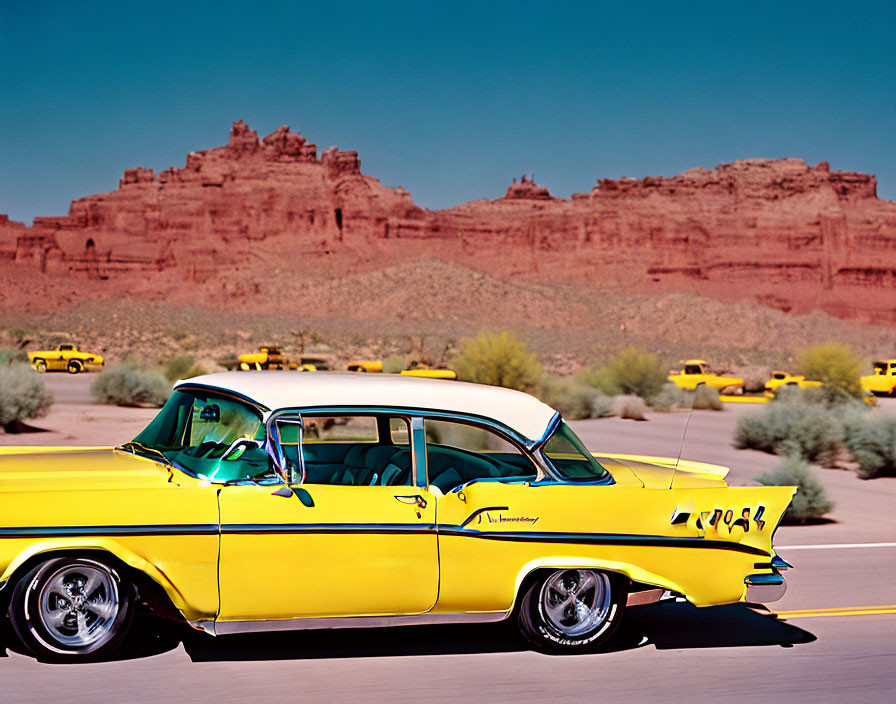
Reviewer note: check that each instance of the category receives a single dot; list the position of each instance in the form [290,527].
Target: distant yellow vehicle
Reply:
[780,379]
[695,372]
[65,358]
[267,357]
[271,357]
[431,373]
[373,366]
[883,381]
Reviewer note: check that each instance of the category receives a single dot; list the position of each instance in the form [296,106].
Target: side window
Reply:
[357,450]
[457,453]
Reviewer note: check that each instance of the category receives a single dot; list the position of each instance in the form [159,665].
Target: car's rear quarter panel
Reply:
[622,529]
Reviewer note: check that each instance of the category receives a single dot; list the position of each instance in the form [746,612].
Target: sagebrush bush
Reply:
[835,366]
[671,398]
[631,372]
[499,360]
[707,398]
[394,363]
[181,366]
[129,385]
[601,405]
[602,379]
[872,442]
[22,395]
[811,431]
[754,379]
[811,501]
[569,396]
[628,406]
[12,355]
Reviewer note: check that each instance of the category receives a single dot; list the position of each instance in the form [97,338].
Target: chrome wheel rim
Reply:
[575,602]
[78,605]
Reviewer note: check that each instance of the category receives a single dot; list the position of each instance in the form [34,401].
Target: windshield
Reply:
[210,436]
[571,459]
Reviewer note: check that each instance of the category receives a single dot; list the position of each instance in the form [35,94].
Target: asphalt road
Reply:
[666,652]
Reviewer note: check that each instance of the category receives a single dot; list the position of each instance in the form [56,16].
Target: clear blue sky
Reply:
[449,99]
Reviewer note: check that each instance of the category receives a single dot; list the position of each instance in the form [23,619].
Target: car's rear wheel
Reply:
[571,610]
[40,365]
[71,608]
[74,367]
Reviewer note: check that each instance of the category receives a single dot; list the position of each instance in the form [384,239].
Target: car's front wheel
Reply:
[71,608]
[571,610]
[74,367]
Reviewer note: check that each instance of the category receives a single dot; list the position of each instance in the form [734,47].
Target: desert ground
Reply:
[839,611]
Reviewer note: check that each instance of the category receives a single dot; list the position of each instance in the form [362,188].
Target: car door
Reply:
[356,538]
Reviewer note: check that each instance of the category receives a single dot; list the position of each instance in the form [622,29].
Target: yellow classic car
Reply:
[695,372]
[779,379]
[65,358]
[414,501]
[883,381]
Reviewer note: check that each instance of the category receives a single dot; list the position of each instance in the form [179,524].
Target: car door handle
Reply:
[414,500]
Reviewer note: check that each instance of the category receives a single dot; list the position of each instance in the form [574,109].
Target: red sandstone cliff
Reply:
[779,231]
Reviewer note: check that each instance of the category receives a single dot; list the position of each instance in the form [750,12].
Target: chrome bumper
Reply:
[764,588]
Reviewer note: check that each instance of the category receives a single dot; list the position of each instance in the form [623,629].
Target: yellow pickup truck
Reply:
[65,358]
[779,379]
[883,381]
[695,372]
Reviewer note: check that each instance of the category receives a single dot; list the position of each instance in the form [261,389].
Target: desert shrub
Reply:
[130,385]
[22,395]
[569,396]
[602,379]
[12,355]
[835,366]
[630,372]
[181,366]
[393,364]
[811,501]
[872,442]
[707,398]
[811,431]
[754,379]
[629,406]
[671,397]
[499,360]
[601,405]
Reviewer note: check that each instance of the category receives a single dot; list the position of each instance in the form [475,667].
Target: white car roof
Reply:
[276,390]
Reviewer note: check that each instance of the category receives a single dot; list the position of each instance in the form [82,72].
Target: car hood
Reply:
[78,468]
[662,472]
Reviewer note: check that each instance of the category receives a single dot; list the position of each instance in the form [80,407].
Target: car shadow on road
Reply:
[666,626]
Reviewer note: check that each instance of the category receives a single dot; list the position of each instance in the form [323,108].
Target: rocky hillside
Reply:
[257,217]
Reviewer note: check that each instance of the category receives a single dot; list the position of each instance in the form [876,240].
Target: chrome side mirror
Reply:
[291,469]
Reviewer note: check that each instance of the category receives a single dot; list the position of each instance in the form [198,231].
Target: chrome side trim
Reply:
[301,624]
[204,626]
[764,588]
[648,596]
[780,564]
[3,583]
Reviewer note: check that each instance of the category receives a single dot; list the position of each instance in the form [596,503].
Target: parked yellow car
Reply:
[883,381]
[65,358]
[695,372]
[779,379]
[415,502]
[370,366]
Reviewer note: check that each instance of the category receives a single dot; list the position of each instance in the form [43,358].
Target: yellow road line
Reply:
[838,611]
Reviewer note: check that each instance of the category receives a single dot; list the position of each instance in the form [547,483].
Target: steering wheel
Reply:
[236,445]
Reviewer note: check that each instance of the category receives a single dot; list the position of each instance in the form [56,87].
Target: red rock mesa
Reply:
[779,231]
